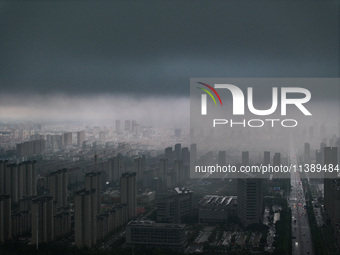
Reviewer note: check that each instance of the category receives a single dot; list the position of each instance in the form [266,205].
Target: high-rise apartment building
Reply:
[277,159]
[5,218]
[163,169]
[42,219]
[179,170]
[80,138]
[245,158]
[139,168]
[266,158]
[177,152]
[84,218]
[128,194]
[57,182]
[93,181]
[67,138]
[19,180]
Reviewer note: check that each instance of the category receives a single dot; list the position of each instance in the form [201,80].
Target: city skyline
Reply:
[108,142]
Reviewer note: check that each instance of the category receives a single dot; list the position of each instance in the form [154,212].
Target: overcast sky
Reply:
[154,47]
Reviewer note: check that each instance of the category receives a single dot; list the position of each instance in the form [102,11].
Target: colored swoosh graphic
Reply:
[208,94]
[213,90]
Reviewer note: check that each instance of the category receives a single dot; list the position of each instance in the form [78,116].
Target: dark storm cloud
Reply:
[86,47]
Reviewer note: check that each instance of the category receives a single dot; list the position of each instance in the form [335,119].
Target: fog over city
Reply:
[149,110]
[105,147]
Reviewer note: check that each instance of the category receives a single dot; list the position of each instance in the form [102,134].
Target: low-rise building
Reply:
[151,234]
[217,209]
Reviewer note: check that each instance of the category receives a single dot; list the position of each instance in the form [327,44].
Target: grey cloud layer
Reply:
[87,47]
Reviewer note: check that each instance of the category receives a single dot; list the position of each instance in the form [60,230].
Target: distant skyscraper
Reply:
[139,168]
[178,168]
[5,218]
[193,152]
[58,182]
[186,156]
[177,151]
[118,130]
[169,153]
[134,127]
[222,158]
[245,158]
[266,158]
[67,138]
[42,219]
[80,138]
[249,200]
[322,146]
[318,157]
[307,153]
[84,218]
[277,159]
[163,169]
[330,155]
[128,125]
[128,192]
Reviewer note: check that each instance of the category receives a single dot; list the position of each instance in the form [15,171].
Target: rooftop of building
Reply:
[217,201]
[153,224]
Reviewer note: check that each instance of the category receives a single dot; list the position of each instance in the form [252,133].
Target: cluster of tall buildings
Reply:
[91,224]
[18,180]
[80,138]
[17,187]
[174,167]
[49,216]
[130,126]
[5,218]
[31,148]
[245,160]
[58,141]
[112,169]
